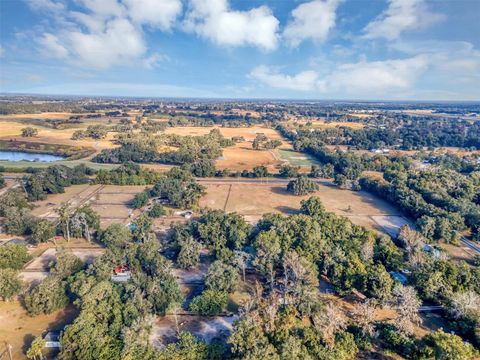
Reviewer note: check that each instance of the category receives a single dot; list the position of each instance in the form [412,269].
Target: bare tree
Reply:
[65,215]
[364,316]
[300,277]
[406,303]
[413,242]
[330,321]
[241,259]
[466,304]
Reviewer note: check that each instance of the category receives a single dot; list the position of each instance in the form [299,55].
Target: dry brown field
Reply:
[240,156]
[254,199]
[19,329]
[12,130]
[110,201]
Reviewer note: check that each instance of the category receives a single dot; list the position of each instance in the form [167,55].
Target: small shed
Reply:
[52,339]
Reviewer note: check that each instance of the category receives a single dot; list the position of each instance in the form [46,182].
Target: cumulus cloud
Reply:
[105,33]
[51,46]
[378,75]
[351,78]
[311,21]
[214,20]
[161,14]
[401,16]
[303,81]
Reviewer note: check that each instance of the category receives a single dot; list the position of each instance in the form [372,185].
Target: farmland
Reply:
[252,200]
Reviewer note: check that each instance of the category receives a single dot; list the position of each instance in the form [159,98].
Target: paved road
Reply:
[472,245]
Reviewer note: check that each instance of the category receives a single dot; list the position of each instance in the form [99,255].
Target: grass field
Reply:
[296,158]
[241,156]
[253,200]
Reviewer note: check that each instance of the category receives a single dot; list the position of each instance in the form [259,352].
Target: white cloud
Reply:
[377,76]
[364,77]
[303,81]
[2,52]
[311,21]
[105,33]
[161,14]
[214,20]
[401,16]
[52,47]
[120,43]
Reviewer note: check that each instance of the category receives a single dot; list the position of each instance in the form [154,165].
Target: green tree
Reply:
[379,283]
[189,254]
[18,221]
[302,186]
[46,297]
[222,277]
[13,256]
[140,200]
[267,253]
[10,284]
[156,211]
[444,346]
[29,132]
[210,302]
[116,236]
[35,349]
[42,231]
[312,207]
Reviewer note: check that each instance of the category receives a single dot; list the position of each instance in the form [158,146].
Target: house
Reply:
[52,339]
[121,273]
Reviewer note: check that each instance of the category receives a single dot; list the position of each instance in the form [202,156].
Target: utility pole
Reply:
[9,348]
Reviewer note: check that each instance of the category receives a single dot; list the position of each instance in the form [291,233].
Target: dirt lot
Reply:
[254,199]
[18,329]
[206,328]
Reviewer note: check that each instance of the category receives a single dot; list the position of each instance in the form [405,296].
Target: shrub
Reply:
[210,302]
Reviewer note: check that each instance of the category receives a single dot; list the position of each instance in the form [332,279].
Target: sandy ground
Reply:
[253,200]
[206,328]
[18,329]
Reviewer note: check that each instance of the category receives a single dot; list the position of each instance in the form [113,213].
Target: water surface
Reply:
[8,155]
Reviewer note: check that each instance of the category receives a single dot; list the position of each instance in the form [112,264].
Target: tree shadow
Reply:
[27,341]
[287,210]
[281,190]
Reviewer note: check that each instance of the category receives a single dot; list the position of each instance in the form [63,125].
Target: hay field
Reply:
[254,199]
[11,129]
[241,156]
[248,133]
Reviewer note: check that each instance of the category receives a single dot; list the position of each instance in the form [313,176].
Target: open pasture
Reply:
[111,202]
[254,199]
[241,156]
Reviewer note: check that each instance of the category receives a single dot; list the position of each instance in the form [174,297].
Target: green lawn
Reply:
[296,158]
[19,165]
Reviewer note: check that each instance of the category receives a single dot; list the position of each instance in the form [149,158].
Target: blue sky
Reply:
[320,49]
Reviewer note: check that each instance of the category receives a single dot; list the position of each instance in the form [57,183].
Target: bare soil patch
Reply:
[18,329]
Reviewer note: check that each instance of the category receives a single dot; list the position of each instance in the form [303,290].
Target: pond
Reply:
[28,156]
